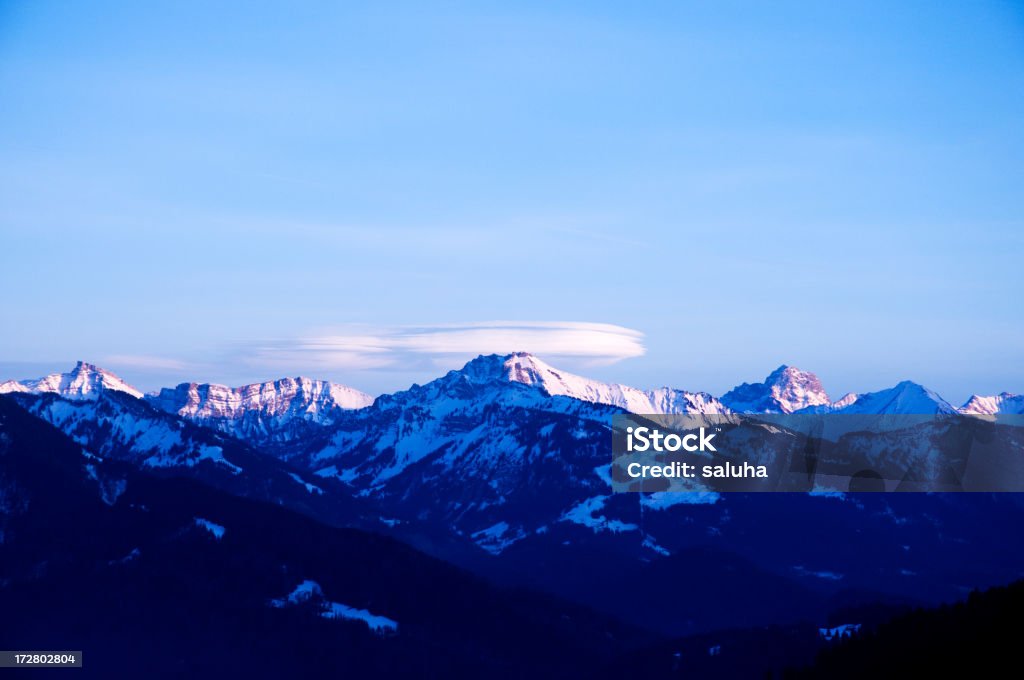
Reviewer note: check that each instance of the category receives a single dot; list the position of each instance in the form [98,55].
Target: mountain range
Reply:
[258,409]
[267,412]
[172,578]
[501,469]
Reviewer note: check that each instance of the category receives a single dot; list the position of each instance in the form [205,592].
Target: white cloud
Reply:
[399,347]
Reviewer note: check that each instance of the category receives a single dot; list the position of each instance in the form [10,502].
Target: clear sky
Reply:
[372,192]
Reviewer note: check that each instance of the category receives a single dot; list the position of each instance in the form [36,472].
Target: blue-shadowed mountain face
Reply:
[503,467]
[165,576]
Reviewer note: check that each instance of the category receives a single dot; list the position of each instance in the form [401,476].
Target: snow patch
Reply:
[660,500]
[376,623]
[311,488]
[605,473]
[845,630]
[217,530]
[584,514]
[494,539]
[826,575]
[348,475]
[310,590]
[214,454]
[820,492]
[651,544]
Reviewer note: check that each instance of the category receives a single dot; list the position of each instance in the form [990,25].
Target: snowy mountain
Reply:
[114,426]
[164,563]
[508,460]
[262,413]
[277,412]
[527,369]
[785,390]
[1002,403]
[485,454]
[906,398]
[508,447]
[496,410]
[503,468]
[84,381]
[485,431]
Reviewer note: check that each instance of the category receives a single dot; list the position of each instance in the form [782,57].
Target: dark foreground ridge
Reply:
[976,638]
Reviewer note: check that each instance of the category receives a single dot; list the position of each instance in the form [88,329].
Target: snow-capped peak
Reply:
[84,381]
[526,369]
[259,408]
[1002,403]
[907,398]
[786,389]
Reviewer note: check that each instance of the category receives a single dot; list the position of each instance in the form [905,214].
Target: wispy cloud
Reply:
[401,347]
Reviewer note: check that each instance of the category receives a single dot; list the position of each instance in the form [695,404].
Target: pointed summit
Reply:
[526,369]
[906,398]
[1002,403]
[84,381]
[786,389]
[501,367]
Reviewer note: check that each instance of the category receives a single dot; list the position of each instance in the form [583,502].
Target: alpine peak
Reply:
[906,398]
[786,389]
[1002,403]
[305,398]
[526,369]
[84,381]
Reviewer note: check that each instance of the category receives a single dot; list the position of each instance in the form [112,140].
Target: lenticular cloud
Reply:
[363,347]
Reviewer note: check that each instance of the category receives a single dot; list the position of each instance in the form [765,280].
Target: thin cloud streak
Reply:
[400,347]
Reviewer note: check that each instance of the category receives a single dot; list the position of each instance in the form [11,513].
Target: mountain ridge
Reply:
[269,411]
[486,468]
[84,381]
[310,401]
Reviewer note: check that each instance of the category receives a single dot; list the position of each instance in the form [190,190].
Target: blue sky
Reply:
[190,192]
